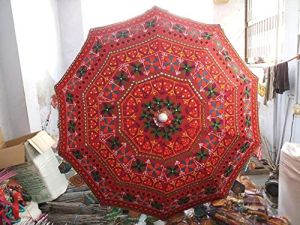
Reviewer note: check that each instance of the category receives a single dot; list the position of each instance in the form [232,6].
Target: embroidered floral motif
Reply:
[129,198]
[173,171]
[228,171]
[107,109]
[138,166]
[122,34]
[69,97]
[148,116]
[97,47]
[72,126]
[186,68]
[81,71]
[179,28]
[202,155]
[183,200]
[157,205]
[206,35]
[96,176]
[136,68]
[121,78]
[77,154]
[114,143]
[150,23]
[244,147]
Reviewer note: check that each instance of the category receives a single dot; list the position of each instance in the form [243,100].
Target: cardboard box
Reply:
[13,152]
[38,172]
[40,177]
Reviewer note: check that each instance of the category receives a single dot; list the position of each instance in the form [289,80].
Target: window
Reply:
[264,30]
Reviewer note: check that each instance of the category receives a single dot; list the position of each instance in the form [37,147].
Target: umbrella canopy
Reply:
[158,113]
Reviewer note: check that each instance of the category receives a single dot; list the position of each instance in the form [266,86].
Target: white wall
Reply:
[292,23]
[99,13]
[38,39]
[231,17]
[4,115]
[13,112]
[71,29]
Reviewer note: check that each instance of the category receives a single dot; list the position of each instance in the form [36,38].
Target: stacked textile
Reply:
[248,208]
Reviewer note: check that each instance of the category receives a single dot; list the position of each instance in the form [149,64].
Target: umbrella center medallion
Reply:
[152,116]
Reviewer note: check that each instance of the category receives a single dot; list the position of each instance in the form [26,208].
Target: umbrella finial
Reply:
[162,117]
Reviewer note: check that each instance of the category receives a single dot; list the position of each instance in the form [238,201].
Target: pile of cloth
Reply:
[245,205]
[16,205]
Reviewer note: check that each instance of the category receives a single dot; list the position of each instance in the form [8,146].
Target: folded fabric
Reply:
[281,78]
[255,202]
[268,81]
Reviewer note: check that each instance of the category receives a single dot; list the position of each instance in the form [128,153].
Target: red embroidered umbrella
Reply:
[158,113]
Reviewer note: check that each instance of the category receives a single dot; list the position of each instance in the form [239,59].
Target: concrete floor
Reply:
[259,179]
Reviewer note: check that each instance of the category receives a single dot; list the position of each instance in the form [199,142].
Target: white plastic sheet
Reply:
[289,183]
